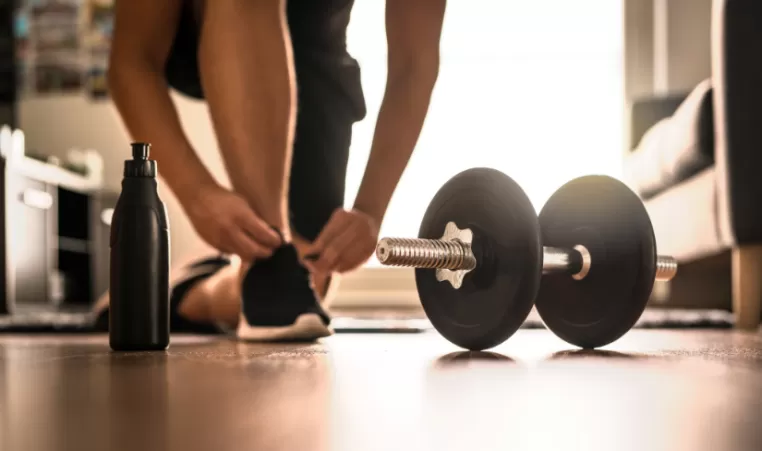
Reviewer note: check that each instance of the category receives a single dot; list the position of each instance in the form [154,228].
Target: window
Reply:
[532,88]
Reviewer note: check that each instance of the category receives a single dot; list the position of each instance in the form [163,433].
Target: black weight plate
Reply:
[606,217]
[495,298]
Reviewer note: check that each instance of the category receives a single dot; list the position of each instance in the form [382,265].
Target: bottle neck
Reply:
[140,168]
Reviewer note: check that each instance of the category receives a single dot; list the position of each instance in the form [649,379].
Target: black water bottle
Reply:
[139,285]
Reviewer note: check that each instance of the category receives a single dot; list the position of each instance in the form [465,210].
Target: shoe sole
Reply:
[307,327]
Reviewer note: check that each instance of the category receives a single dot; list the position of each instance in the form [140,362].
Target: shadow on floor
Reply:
[592,354]
[463,357]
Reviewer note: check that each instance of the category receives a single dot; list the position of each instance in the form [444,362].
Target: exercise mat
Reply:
[386,321]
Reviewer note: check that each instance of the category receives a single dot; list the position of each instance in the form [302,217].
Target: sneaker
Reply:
[279,302]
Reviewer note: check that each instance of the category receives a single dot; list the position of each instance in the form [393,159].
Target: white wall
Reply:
[532,88]
[666,49]
[689,32]
[638,48]
[667,45]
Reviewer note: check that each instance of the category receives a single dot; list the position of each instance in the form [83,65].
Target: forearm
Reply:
[141,96]
[398,127]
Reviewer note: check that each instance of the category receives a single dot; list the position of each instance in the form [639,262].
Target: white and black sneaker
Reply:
[279,302]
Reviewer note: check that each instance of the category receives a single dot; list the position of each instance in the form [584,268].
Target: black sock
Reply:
[276,291]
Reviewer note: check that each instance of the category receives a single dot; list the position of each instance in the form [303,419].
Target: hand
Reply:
[346,242]
[226,221]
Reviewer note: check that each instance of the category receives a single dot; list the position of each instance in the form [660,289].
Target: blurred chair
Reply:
[696,158]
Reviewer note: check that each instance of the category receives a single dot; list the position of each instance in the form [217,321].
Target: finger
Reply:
[355,257]
[333,255]
[311,252]
[335,226]
[259,230]
[312,256]
[314,251]
[246,247]
[223,245]
[309,263]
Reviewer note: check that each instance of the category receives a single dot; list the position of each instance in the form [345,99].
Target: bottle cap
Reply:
[140,165]
[140,151]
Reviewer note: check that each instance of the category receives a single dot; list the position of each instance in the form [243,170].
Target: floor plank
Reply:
[652,390]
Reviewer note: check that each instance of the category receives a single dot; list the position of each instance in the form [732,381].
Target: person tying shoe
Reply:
[283,94]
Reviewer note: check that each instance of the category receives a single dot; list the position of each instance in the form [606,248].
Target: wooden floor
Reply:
[652,390]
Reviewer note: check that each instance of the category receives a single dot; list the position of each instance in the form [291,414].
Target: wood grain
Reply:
[651,390]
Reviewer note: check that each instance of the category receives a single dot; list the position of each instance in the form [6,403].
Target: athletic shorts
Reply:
[329,101]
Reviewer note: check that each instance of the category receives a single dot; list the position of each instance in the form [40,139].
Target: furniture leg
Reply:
[747,286]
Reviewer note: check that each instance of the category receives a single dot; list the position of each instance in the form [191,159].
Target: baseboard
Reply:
[377,287]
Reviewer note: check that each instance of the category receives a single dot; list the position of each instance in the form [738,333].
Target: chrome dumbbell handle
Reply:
[456,255]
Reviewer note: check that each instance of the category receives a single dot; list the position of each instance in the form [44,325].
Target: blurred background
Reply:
[544,90]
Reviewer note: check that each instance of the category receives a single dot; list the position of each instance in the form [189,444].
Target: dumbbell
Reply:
[484,257]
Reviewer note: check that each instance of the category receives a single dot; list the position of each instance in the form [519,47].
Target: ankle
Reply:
[275,216]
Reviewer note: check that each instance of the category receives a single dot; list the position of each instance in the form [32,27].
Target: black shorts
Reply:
[193,273]
[329,101]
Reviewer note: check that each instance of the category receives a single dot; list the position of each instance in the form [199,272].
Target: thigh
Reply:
[329,103]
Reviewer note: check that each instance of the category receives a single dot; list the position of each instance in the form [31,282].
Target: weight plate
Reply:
[609,220]
[497,296]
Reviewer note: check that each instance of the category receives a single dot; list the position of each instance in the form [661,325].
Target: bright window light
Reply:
[532,88]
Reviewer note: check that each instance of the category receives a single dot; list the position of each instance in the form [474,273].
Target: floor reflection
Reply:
[380,392]
[593,354]
[83,396]
[464,357]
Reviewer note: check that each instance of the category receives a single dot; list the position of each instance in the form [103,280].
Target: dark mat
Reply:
[382,322]
[47,322]
[663,318]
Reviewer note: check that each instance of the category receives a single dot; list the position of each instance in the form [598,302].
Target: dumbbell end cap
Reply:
[383,251]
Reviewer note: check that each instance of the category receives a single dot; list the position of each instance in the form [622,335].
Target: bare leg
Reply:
[217,299]
[214,299]
[247,74]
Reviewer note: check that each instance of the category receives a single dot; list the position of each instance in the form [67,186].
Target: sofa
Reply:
[695,158]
